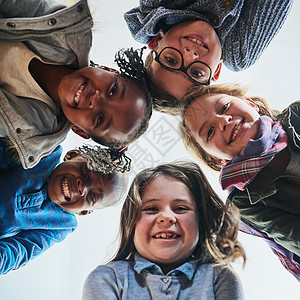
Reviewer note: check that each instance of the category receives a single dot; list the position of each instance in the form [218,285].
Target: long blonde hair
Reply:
[236,90]
[218,223]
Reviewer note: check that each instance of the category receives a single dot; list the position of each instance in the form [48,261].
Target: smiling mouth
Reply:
[236,131]
[78,93]
[196,41]
[166,236]
[66,189]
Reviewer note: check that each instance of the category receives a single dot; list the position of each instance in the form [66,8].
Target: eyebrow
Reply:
[175,200]
[124,88]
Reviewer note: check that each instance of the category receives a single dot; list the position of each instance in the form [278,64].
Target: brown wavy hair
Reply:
[234,89]
[218,222]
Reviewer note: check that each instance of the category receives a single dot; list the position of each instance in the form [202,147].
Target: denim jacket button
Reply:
[80,8]
[18,130]
[11,24]
[166,280]
[30,158]
[52,21]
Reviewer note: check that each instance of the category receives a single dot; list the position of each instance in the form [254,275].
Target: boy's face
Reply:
[75,188]
[197,41]
[221,124]
[101,104]
[167,228]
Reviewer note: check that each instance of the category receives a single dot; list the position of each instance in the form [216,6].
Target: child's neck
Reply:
[48,76]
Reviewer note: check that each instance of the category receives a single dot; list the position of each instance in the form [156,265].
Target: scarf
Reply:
[243,168]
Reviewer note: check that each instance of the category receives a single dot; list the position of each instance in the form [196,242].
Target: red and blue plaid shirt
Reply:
[288,259]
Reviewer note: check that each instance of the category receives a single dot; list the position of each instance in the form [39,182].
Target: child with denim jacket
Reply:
[48,87]
[37,205]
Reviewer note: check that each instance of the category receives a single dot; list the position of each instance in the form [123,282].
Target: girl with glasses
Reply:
[235,33]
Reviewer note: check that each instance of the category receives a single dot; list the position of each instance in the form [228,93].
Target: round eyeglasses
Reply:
[172,59]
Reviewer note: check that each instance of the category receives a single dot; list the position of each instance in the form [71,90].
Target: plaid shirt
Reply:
[244,167]
[288,259]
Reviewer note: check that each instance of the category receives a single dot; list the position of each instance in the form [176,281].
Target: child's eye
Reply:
[181,208]
[114,89]
[171,61]
[210,132]
[150,209]
[224,107]
[197,73]
[100,120]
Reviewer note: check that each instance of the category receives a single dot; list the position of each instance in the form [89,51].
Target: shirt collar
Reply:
[141,264]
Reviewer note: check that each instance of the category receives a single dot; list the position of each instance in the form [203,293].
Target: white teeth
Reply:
[196,41]
[66,190]
[236,131]
[165,235]
[78,93]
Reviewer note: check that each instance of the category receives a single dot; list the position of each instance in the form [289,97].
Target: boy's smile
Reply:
[197,41]
[221,124]
[101,104]
[167,229]
[75,188]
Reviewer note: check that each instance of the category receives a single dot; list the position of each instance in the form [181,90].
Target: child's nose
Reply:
[166,218]
[94,98]
[80,187]
[190,55]
[224,120]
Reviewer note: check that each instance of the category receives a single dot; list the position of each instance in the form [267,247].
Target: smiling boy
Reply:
[37,205]
[211,32]
[46,86]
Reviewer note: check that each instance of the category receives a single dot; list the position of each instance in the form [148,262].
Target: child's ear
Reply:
[80,131]
[217,71]
[71,154]
[153,44]
[251,103]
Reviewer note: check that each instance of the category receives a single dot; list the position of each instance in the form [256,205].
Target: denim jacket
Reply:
[57,34]
[271,203]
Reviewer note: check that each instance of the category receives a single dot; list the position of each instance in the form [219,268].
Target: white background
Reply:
[60,272]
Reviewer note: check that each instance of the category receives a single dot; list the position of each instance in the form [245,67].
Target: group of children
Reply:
[177,237]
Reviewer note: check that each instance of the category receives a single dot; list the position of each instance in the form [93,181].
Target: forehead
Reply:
[166,187]
[105,184]
[167,80]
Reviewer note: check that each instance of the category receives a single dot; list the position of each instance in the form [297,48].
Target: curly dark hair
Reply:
[105,160]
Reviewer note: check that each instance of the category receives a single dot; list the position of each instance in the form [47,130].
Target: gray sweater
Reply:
[244,27]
